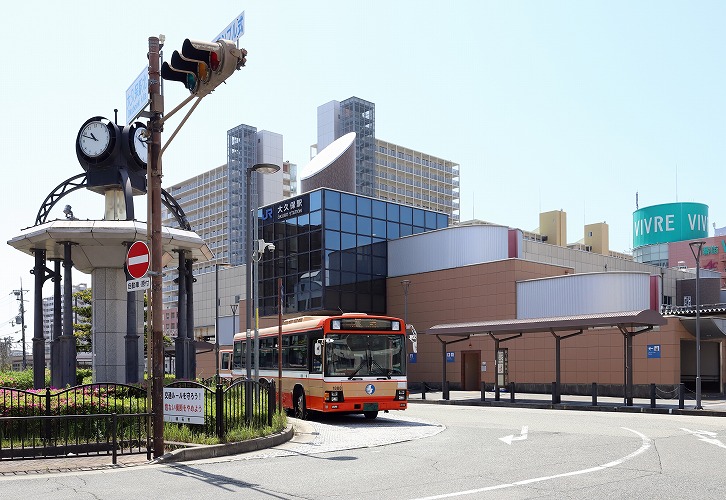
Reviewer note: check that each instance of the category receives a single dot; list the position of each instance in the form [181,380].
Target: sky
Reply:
[557,105]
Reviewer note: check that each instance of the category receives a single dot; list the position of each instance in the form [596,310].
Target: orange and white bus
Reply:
[349,363]
[225,363]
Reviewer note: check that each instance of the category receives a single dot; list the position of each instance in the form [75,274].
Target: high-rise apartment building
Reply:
[385,170]
[214,203]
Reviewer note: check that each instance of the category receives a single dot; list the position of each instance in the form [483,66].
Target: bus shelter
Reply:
[629,323]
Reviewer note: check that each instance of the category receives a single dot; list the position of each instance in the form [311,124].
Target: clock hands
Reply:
[90,137]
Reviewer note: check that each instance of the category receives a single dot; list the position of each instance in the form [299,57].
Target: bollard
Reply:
[483,391]
[652,395]
[511,392]
[681,395]
[496,393]
[423,391]
[446,390]
[555,397]
[594,394]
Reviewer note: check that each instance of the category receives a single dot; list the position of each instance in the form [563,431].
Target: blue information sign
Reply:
[450,357]
[411,357]
[654,350]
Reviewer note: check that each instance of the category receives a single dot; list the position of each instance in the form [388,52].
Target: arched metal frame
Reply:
[80,181]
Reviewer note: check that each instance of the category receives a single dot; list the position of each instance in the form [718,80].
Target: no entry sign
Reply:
[137,259]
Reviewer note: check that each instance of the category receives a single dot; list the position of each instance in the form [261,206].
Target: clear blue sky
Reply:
[545,105]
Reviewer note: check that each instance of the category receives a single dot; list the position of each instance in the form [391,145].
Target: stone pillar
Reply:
[109,325]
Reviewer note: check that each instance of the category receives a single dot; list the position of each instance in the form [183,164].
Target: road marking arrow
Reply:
[522,436]
[706,437]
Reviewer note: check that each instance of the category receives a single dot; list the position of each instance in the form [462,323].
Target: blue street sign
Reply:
[654,350]
[411,357]
[450,357]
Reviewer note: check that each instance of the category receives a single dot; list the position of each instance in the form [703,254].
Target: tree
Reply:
[82,320]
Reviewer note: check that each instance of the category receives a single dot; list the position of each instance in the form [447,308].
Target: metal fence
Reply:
[242,402]
[112,419]
[91,419]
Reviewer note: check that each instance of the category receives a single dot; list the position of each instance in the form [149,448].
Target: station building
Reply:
[338,251]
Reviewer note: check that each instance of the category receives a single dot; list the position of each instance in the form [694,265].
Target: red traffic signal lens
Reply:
[213,61]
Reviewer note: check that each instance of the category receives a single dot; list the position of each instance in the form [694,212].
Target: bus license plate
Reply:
[370,406]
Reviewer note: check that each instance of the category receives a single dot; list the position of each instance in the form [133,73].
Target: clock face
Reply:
[140,145]
[94,139]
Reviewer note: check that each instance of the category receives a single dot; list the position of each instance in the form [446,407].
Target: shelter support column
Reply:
[557,394]
[55,352]
[39,271]
[180,343]
[628,364]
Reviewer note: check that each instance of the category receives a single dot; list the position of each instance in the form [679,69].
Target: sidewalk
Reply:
[712,406]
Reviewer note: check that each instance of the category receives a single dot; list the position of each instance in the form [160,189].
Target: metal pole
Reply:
[255,289]
[216,322]
[696,247]
[279,344]
[406,284]
[698,333]
[154,193]
[248,259]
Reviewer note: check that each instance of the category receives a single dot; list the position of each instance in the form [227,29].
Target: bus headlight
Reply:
[401,395]
[334,397]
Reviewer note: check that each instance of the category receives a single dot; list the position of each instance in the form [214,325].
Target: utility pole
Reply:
[19,296]
[154,207]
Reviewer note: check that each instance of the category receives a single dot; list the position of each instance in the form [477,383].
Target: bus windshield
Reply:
[360,355]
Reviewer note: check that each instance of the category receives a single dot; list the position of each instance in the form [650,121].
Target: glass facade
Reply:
[331,251]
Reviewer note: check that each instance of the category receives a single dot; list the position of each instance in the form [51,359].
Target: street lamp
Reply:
[406,284]
[696,247]
[262,168]
[216,316]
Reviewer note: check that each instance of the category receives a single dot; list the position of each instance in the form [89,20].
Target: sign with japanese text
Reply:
[183,405]
[234,30]
[287,208]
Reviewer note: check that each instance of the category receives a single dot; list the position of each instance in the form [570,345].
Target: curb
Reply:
[566,406]
[221,450]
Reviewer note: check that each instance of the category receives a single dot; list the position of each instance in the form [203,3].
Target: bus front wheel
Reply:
[370,415]
[301,410]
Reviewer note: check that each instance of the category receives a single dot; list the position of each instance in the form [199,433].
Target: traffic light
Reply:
[203,66]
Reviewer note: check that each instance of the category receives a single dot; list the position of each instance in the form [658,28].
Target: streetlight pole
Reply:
[696,247]
[263,168]
[216,317]
[406,284]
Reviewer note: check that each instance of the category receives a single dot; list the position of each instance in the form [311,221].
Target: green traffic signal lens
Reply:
[191,82]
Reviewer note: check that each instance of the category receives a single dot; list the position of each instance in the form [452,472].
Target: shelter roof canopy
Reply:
[625,319]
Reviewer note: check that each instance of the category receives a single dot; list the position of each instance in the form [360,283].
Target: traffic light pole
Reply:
[154,216]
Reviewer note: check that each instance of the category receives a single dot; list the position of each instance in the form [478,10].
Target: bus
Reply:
[347,363]
[225,363]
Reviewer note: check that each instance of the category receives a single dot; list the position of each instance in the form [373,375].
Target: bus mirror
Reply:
[318,349]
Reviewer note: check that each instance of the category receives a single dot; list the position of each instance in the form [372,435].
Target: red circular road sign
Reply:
[137,259]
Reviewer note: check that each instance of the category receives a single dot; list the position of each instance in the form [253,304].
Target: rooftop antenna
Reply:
[636,200]
[676,182]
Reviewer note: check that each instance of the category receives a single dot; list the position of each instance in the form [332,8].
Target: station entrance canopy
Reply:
[629,323]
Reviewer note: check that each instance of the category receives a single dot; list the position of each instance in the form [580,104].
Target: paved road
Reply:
[436,452]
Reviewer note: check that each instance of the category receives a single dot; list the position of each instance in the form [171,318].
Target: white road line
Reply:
[646,443]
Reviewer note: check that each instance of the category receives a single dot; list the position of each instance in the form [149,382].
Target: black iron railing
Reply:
[112,419]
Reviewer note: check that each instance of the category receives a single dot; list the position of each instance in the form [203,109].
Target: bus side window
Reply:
[317,359]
